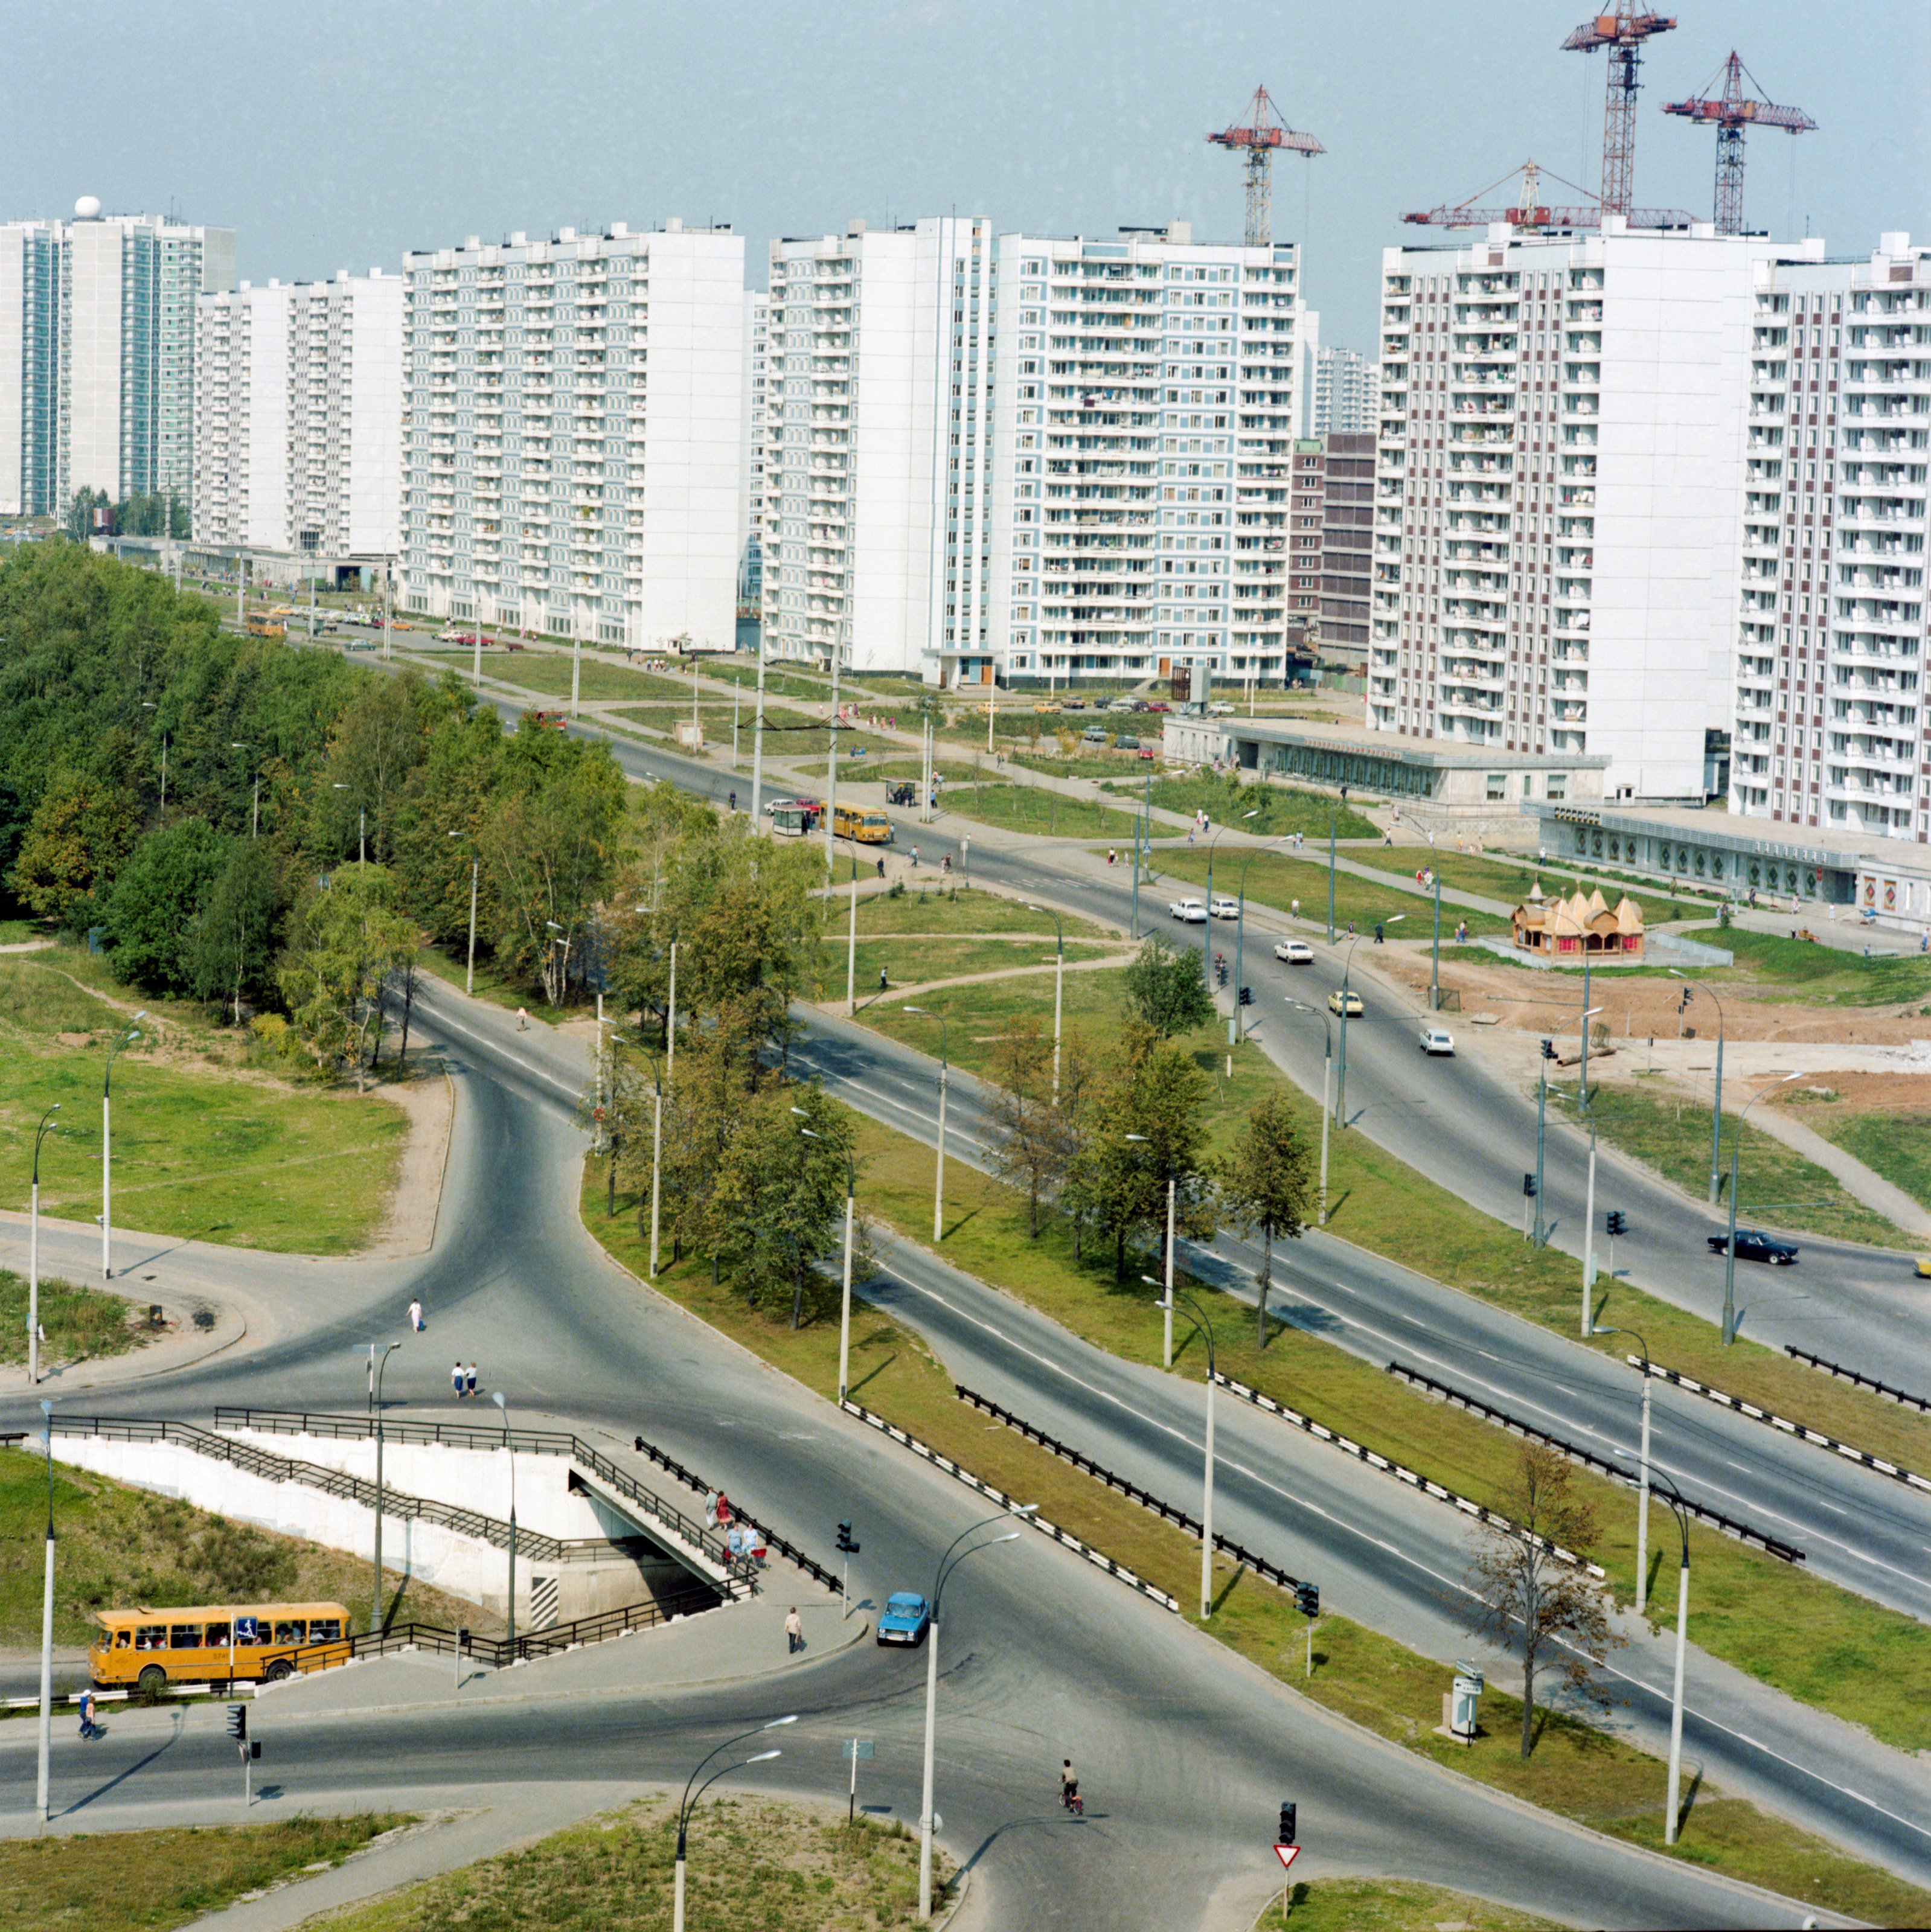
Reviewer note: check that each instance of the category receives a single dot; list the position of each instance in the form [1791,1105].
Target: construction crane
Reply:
[1263,132]
[1730,112]
[1532,216]
[1623,33]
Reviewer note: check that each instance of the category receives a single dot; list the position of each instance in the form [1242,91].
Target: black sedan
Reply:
[1752,1245]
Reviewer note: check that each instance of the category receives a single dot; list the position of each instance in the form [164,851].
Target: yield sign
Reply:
[1286,1854]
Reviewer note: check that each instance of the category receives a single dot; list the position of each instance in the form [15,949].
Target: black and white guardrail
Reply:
[1798,1429]
[1401,1473]
[1921,1403]
[1096,1558]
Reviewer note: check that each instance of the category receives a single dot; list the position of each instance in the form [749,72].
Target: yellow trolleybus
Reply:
[864,827]
[199,1643]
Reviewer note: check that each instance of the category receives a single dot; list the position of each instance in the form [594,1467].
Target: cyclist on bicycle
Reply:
[1069,1783]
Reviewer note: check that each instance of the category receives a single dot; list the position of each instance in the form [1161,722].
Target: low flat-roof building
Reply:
[1886,881]
[1476,789]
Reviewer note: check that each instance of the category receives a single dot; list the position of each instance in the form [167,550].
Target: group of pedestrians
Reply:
[463,1379]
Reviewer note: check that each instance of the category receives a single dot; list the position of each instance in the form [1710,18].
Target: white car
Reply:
[1295,952]
[1189,912]
[1225,907]
[1437,1040]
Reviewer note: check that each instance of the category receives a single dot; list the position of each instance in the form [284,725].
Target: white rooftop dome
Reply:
[87,208]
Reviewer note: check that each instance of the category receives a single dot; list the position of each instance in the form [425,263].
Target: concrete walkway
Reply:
[1876,1193]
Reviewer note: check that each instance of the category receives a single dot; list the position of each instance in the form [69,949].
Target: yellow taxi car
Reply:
[1348,1003]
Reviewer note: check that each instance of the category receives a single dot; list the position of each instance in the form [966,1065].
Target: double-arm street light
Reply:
[1689,993]
[947,1564]
[1542,1149]
[1642,1478]
[845,1304]
[34,1252]
[375,1615]
[688,1803]
[944,1073]
[127,1039]
[1730,1246]
[1166,1343]
[1196,1315]
[502,1402]
[1058,984]
[1340,1070]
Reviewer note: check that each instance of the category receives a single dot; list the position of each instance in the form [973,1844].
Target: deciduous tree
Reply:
[350,938]
[156,899]
[80,832]
[1033,1142]
[230,946]
[1166,988]
[1267,1183]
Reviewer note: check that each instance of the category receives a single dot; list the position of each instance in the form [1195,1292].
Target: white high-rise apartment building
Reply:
[1043,457]
[574,457]
[97,355]
[753,422]
[298,417]
[1347,393]
[1831,725]
[1560,493]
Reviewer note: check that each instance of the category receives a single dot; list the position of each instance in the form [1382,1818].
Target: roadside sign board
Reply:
[1286,1854]
[856,1747]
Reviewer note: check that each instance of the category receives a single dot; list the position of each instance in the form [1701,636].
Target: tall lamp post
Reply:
[1207,930]
[1167,1342]
[1716,1117]
[947,1564]
[688,1802]
[845,1305]
[255,816]
[1729,1246]
[1674,1500]
[1240,932]
[34,1253]
[375,1614]
[1194,1314]
[47,1635]
[1058,984]
[127,1039]
[945,1072]
[497,1396]
[1327,1071]
[1642,1477]
[1341,1069]
[1548,1053]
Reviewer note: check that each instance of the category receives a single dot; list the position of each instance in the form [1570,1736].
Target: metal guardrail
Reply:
[1272,1573]
[1771,1545]
[469,1435]
[500,1652]
[1921,1403]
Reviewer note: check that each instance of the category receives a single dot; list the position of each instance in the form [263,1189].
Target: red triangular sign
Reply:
[1286,1854]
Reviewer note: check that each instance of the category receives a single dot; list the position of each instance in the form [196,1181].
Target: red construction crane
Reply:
[1730,113]
[1623,33]
[1531,216]
[1263,132]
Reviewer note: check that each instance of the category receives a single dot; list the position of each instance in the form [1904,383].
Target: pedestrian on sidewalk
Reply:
[469,1380]
[522,1019]
[881,979]
[734,801]
[914,863]
[710,1509]
[415,1316]
[793,1631]
[456,1377]
[723,1510]
[88,1728]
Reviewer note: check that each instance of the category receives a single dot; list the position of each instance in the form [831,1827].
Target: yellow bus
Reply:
[266,627]
[862,826]
[200,1642]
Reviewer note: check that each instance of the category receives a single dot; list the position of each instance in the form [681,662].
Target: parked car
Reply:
[1093,735]
[1072,704]
[555,720]
[1437,1040]
[1189,912]
[1350,999]
[1121,704]
[1219,711]
[1225,906]
[1127,742]
[904,1619]
[1753,1245]
[1160,707]
[1295,952]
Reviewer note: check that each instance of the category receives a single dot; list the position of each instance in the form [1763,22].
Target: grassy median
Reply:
[81,1324]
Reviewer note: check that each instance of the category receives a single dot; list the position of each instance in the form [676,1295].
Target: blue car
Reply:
[905,1618]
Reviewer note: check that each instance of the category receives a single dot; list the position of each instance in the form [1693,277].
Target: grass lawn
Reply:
[912,962]
[788,734]
[201,1148]
[1776,1186]
[893,765]
[1799,971]
[82,1324]
[1390,1905]
[118,1546]
[547,674]
[1025,807]
[1088,762]
[1509,880]
[1277,809]
[1897,1146]
[1279,882]
[149,1881]
[755,1865]
[804,685]
[950,910]
[1575,1771]
[21,932]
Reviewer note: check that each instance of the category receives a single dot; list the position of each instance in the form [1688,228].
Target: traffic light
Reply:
[1528,1187]
[1615,1221]
[1548,1049]
[238,1723]
[1247,996]
[1307,1601]
[1287,1837]
[847,1542]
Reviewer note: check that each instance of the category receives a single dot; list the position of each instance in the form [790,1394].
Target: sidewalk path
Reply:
[1851,1173]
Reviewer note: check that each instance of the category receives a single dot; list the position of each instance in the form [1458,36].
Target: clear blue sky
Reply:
[338,133]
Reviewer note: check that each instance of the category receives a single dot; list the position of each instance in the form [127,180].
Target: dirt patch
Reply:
[1823,1097]
[409,1220]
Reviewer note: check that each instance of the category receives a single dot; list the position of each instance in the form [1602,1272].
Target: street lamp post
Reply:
[1542,1129]
[656,1162]
[502,1402]
[127,1039]
[1194,1314]
[255,816]
[1341,1069]
[1166,1342]
[375,1616]
[46,1636]
[1682,1514]
[1207,930]
[1058,985]
[1642,1478]
[757,743]
[1327,1071]
[944,1071]
[844,1303]
[946,1563]
[1435,967]
[688,1802]
[34,1254]
[852,944]
[1716,1116]
[1730,1246]
[1240,933]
